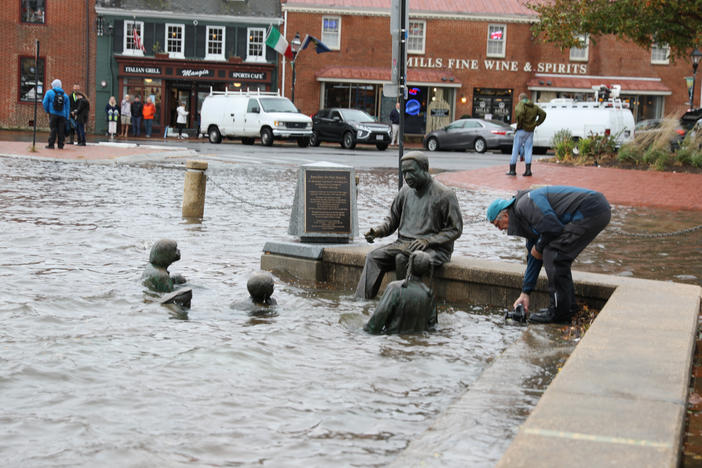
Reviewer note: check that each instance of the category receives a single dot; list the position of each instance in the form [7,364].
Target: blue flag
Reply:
[319,46]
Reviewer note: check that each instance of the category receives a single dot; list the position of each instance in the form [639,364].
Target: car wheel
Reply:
[382,146]
[247,141]
[480,145]
[314,139]
[303,142]
[266,137]
[349,141]
[214,135]
[432,144]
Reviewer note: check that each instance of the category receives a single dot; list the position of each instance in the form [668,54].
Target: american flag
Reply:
[137,39]
[496,34]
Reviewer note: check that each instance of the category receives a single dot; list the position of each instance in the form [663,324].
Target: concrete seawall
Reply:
[619,400]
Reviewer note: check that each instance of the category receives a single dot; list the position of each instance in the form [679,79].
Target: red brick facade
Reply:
[366,42]
[67,45]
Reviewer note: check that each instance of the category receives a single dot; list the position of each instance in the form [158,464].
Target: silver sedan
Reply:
[477,134]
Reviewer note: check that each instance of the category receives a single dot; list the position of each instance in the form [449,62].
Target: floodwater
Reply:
[94,372]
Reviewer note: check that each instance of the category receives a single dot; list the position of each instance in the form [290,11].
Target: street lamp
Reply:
[294,47]
[696,55]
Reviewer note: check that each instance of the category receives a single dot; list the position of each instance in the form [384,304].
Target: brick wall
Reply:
[63,46]
[365,41]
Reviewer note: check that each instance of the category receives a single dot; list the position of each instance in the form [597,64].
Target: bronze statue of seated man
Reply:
[407,306]
[156,276]
[426,216]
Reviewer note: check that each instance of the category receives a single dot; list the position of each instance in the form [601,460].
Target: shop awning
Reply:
[578,84]
[415,77]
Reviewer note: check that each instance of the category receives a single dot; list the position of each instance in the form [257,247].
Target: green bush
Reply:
[563,144]
[629,153]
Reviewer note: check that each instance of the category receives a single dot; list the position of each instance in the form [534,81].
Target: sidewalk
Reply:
[93,151]
[669,190]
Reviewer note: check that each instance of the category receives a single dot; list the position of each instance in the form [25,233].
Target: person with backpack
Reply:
[81,116]
[56,104]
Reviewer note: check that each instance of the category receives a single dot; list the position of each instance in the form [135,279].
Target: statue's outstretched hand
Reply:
[418,244]
[370,235]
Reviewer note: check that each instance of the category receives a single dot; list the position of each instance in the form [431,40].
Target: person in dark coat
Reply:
[137,109]
[81,114]
[558,222]
[426,216]
[408,305]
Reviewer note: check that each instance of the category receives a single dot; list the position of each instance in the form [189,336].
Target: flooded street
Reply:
[95,372]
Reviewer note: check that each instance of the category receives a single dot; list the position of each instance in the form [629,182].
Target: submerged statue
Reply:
[260,287]
[426,216]
[407,306]
[156,276]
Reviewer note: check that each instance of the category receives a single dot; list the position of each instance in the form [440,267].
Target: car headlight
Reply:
[309,125]
[278,123]
[363,128]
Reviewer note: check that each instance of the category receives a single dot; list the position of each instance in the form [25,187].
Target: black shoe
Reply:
[512,170]
[543,316]
[527,172]
[60,147]
[81,144]
[49,147]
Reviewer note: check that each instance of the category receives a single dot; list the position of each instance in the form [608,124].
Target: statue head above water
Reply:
[156,276]
[260,287]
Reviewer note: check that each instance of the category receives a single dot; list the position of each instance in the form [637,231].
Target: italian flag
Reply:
[276,41]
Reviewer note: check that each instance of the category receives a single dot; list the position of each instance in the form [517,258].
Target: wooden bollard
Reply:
[194,189]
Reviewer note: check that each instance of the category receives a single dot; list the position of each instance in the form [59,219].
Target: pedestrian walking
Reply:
[81,116]
[137,115]
[56,104]
[528,116]
[148,113]
[181,119]
[125,113]
[558,222]
[112,115]
[395,122]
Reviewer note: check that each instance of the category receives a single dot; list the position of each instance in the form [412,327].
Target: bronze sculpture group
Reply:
[558,223]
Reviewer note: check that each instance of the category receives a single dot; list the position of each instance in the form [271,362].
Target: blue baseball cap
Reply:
[497,206]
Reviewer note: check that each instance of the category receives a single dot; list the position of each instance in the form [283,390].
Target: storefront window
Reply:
[28,87]
[353,95]
[492,104]
[144,88]
[33,11]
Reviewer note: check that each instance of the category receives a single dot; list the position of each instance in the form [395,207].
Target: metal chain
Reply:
[241,200]
[645,235]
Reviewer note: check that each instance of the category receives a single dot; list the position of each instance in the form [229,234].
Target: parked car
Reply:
[648,125]
[349,127]
[478,134]
[251,115]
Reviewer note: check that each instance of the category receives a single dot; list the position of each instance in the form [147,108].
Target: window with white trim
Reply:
[133,38]
[416,36]
[331,31]
[175,38]
[580,54]
[660,54]
[496,40]
[255,50]
[214,49]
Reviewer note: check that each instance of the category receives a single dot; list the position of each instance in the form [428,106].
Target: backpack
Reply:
[59,101]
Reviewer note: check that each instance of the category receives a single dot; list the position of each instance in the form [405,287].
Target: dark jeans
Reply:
[80,130]
[57,124]
[136,126]
[148,124]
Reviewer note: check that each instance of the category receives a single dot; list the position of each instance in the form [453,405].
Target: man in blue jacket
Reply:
[558,222]
[57,106]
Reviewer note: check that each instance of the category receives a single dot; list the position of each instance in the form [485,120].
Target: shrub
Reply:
[563,144]
[629,153]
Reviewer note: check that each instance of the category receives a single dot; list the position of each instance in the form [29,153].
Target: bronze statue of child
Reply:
[156,276]
[407,306]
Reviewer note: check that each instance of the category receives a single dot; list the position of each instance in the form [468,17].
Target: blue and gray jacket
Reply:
[539,215]
[48,103]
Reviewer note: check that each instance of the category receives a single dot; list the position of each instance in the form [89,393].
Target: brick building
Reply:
[66,34]
[473,57]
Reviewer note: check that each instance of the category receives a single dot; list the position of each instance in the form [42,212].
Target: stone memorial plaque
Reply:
[324,209]
[328,202]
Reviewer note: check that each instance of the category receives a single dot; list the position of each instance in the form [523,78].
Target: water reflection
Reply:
[93,370]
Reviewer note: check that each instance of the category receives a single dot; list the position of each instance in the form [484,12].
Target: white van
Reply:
[251,115]
[583,119]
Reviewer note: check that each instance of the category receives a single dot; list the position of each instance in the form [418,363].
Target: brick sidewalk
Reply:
[89,152]
[669,190]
